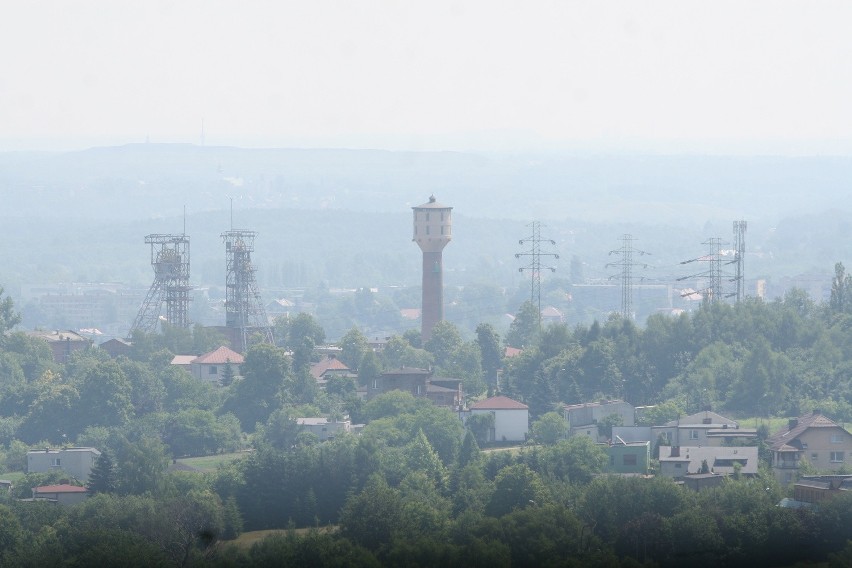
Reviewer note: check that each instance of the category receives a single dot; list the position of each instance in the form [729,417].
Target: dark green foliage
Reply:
[103,477]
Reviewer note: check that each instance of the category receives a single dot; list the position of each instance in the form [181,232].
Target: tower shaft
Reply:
[433,230]
[244,311]
[170,261]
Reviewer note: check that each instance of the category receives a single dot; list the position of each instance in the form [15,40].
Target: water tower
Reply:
[433,229]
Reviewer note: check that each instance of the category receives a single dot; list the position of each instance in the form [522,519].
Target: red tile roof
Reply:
[63,488]
[499,403]
[328,364]
[512,352]
[220,357]
[780,441]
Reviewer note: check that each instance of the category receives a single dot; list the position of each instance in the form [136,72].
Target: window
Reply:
[213,370]
[629,459]
[693,434]
[678,465]
[814,457]
[55,462]
[375,383]
[836,439]
[427,216]
[427,229]
[419,389]
[837,457]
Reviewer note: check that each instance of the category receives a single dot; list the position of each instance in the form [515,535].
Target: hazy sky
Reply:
[741,76]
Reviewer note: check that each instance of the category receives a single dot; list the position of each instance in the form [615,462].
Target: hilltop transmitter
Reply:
[432,231]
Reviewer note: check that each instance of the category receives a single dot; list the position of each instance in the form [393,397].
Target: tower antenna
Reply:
[739,250]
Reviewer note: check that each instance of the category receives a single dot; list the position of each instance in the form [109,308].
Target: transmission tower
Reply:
[534,267]
[244,311]
[712,292]
[626,264]
[170,261]
[739,261]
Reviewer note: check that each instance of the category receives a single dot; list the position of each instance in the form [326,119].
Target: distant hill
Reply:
[139,181]
[343,216]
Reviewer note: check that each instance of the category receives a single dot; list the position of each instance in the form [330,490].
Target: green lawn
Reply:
[210,463]
[247,539]
[13,476]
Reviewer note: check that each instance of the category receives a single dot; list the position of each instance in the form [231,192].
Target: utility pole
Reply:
[626,263]
[534,267]
[739,250]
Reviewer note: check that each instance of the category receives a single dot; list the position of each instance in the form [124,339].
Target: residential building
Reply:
[818,488]
[678,461]
[324,428]
[62,343]
[814,438]
[211,366]
[511,418]
[705,428]
[629,457]
[76,462]
[327,368]
[62,494]
[116,347]
[583,419]
[420,383]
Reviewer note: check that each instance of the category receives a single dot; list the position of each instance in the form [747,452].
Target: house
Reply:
[583,418]
[76,462]
[813,437]
[511,418]
[678,461]
[702,481]
[705,428]
[818,488]
[329,367]
[211,366]
[551,315]
[420,383]
[116,347]
[629,457]
[62,494]
[62,343]
[323,427]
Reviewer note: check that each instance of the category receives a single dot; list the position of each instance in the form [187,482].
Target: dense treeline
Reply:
[413,488]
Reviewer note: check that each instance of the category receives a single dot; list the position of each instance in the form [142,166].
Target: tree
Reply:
[9,318]
[105,396]
[515,487]
[550,428]
[141,465]
[524,329]
[302,327]
[265,371]
[480,426]
[353,347]
[841,290]
[490,352]
[103,477]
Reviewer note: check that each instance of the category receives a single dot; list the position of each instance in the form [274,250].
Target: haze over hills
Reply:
[343,216]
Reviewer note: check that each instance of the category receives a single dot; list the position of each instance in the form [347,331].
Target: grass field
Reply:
[210,463]
[247,539]
[13,476]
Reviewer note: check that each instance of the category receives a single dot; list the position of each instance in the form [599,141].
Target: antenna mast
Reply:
[740,247]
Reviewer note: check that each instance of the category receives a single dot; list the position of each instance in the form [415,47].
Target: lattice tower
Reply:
[170,261]
[626,264]
[534,254]
[244,311]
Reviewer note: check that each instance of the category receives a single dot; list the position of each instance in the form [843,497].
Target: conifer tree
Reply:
[102,478]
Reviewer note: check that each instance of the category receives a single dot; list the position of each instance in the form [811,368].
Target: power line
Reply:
[534,267]
[626,263]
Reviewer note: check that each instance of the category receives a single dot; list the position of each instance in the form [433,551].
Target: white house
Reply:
[511,418]
[211,366]
[323,427]
[583,418]
[76,462]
